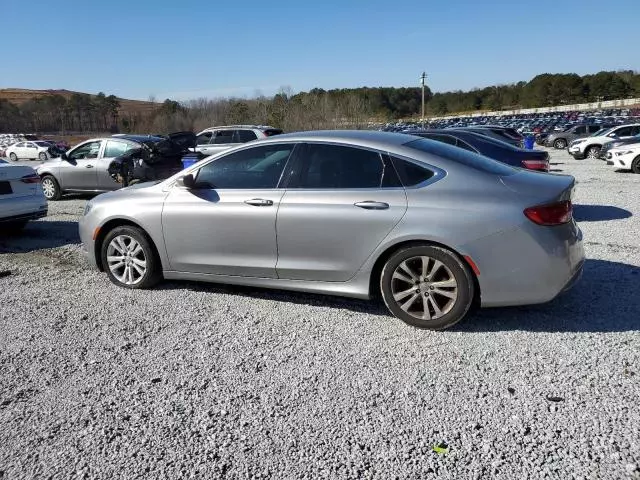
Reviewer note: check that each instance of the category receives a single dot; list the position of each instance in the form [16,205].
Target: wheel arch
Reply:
[110,225]
[376,271]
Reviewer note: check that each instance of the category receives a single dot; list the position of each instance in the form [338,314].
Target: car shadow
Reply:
[604,300]
[39,235]
[599,213]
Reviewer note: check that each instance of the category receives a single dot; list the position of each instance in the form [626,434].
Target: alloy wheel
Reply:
[593,152]
[424,288]
[126,260]
[49,188]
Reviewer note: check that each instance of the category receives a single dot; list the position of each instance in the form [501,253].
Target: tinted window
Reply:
[334,166]
[115,149]
[252,168]
[244,136]
[270,132]
[223,136]
[623,132]
[204,138]
[410,173]
[466,146]
[593,128]
[21,144]
[580,130]
[459,155]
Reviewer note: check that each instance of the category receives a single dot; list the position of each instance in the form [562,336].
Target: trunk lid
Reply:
[541,187]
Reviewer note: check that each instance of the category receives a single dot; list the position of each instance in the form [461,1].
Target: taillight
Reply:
[551,214]
[540,165]
[34,178]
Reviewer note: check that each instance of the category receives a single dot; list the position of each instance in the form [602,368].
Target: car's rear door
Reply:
[340,204]
[113,148]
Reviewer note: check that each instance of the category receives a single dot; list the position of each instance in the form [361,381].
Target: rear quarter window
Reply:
[464,157]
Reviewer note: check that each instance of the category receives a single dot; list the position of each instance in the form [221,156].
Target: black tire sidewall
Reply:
[459,269]
[635,165]
[152,275]
[43,157]
[13,157]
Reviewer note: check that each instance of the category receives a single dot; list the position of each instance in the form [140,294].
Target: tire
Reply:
[446,305]
[592,152]
[635,165]
[560,144]
[13,157]
[43,157]
[123,265]
[51,189]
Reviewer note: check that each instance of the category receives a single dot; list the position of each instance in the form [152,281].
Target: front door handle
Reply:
[88,166]
[370,205]
[259,202]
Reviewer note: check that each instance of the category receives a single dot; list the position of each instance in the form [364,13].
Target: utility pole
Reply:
[423,77]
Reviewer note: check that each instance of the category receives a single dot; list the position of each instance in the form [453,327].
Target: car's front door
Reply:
[30,150]
[78,171]
[340,204]
[227,224]
[112,149]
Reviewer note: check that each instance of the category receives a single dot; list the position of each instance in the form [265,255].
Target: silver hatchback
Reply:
[432,228]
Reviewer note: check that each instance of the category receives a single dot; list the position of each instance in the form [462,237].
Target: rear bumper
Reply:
[23,208]
[528,265]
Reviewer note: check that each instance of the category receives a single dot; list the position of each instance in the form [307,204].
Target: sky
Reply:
[186,49]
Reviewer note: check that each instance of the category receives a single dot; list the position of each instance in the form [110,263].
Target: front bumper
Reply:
[576,152]
[621,161]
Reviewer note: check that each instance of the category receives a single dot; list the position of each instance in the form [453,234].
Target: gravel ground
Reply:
[201,381]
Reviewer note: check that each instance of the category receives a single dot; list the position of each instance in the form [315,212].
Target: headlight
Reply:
[576,142]
[628,152]
[87,208]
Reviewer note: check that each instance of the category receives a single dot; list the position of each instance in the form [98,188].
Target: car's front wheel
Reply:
[427,287]
[51,188]
[635,165]
[129,258]
[43,156]
[593,152]
[13,157]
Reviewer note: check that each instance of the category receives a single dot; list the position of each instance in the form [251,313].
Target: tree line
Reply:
[315,109]
[79,112]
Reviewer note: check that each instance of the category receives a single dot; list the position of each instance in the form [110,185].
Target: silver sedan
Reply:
[431,228]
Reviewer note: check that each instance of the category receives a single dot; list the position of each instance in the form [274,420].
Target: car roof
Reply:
[137,138]
[371,138]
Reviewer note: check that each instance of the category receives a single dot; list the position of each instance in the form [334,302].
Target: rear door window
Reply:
[244,136]
[223,136]
[116,149]
[340,167]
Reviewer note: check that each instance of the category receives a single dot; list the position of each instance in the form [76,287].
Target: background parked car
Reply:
[36,150]
[21,196]
[216,139]
[85,168]
[604,150]
[489,147]
[561,140]
[590,146]
[505,134]
[626,157]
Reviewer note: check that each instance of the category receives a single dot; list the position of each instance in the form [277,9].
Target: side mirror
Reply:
[64,156]
[187,181]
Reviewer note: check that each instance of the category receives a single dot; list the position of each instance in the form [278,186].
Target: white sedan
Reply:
[625,157]
[21,196]
[36,150]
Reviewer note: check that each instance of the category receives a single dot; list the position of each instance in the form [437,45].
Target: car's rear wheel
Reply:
[129,258]
[427,287]
[593,152]
[51,188]
[43,156]
[635,165]
[13,157]
[560,143]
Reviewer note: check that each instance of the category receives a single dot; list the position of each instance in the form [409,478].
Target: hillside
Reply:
[19,96]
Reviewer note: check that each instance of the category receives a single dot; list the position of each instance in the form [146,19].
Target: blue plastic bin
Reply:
[529,141]
[188,161]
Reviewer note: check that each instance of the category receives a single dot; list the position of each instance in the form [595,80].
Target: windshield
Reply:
[460,155]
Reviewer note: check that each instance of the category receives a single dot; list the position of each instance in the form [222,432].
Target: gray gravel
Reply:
[202,381]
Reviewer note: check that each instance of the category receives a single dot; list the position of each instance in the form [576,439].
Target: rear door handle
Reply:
[370,205]
[259,202]
[88,166]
